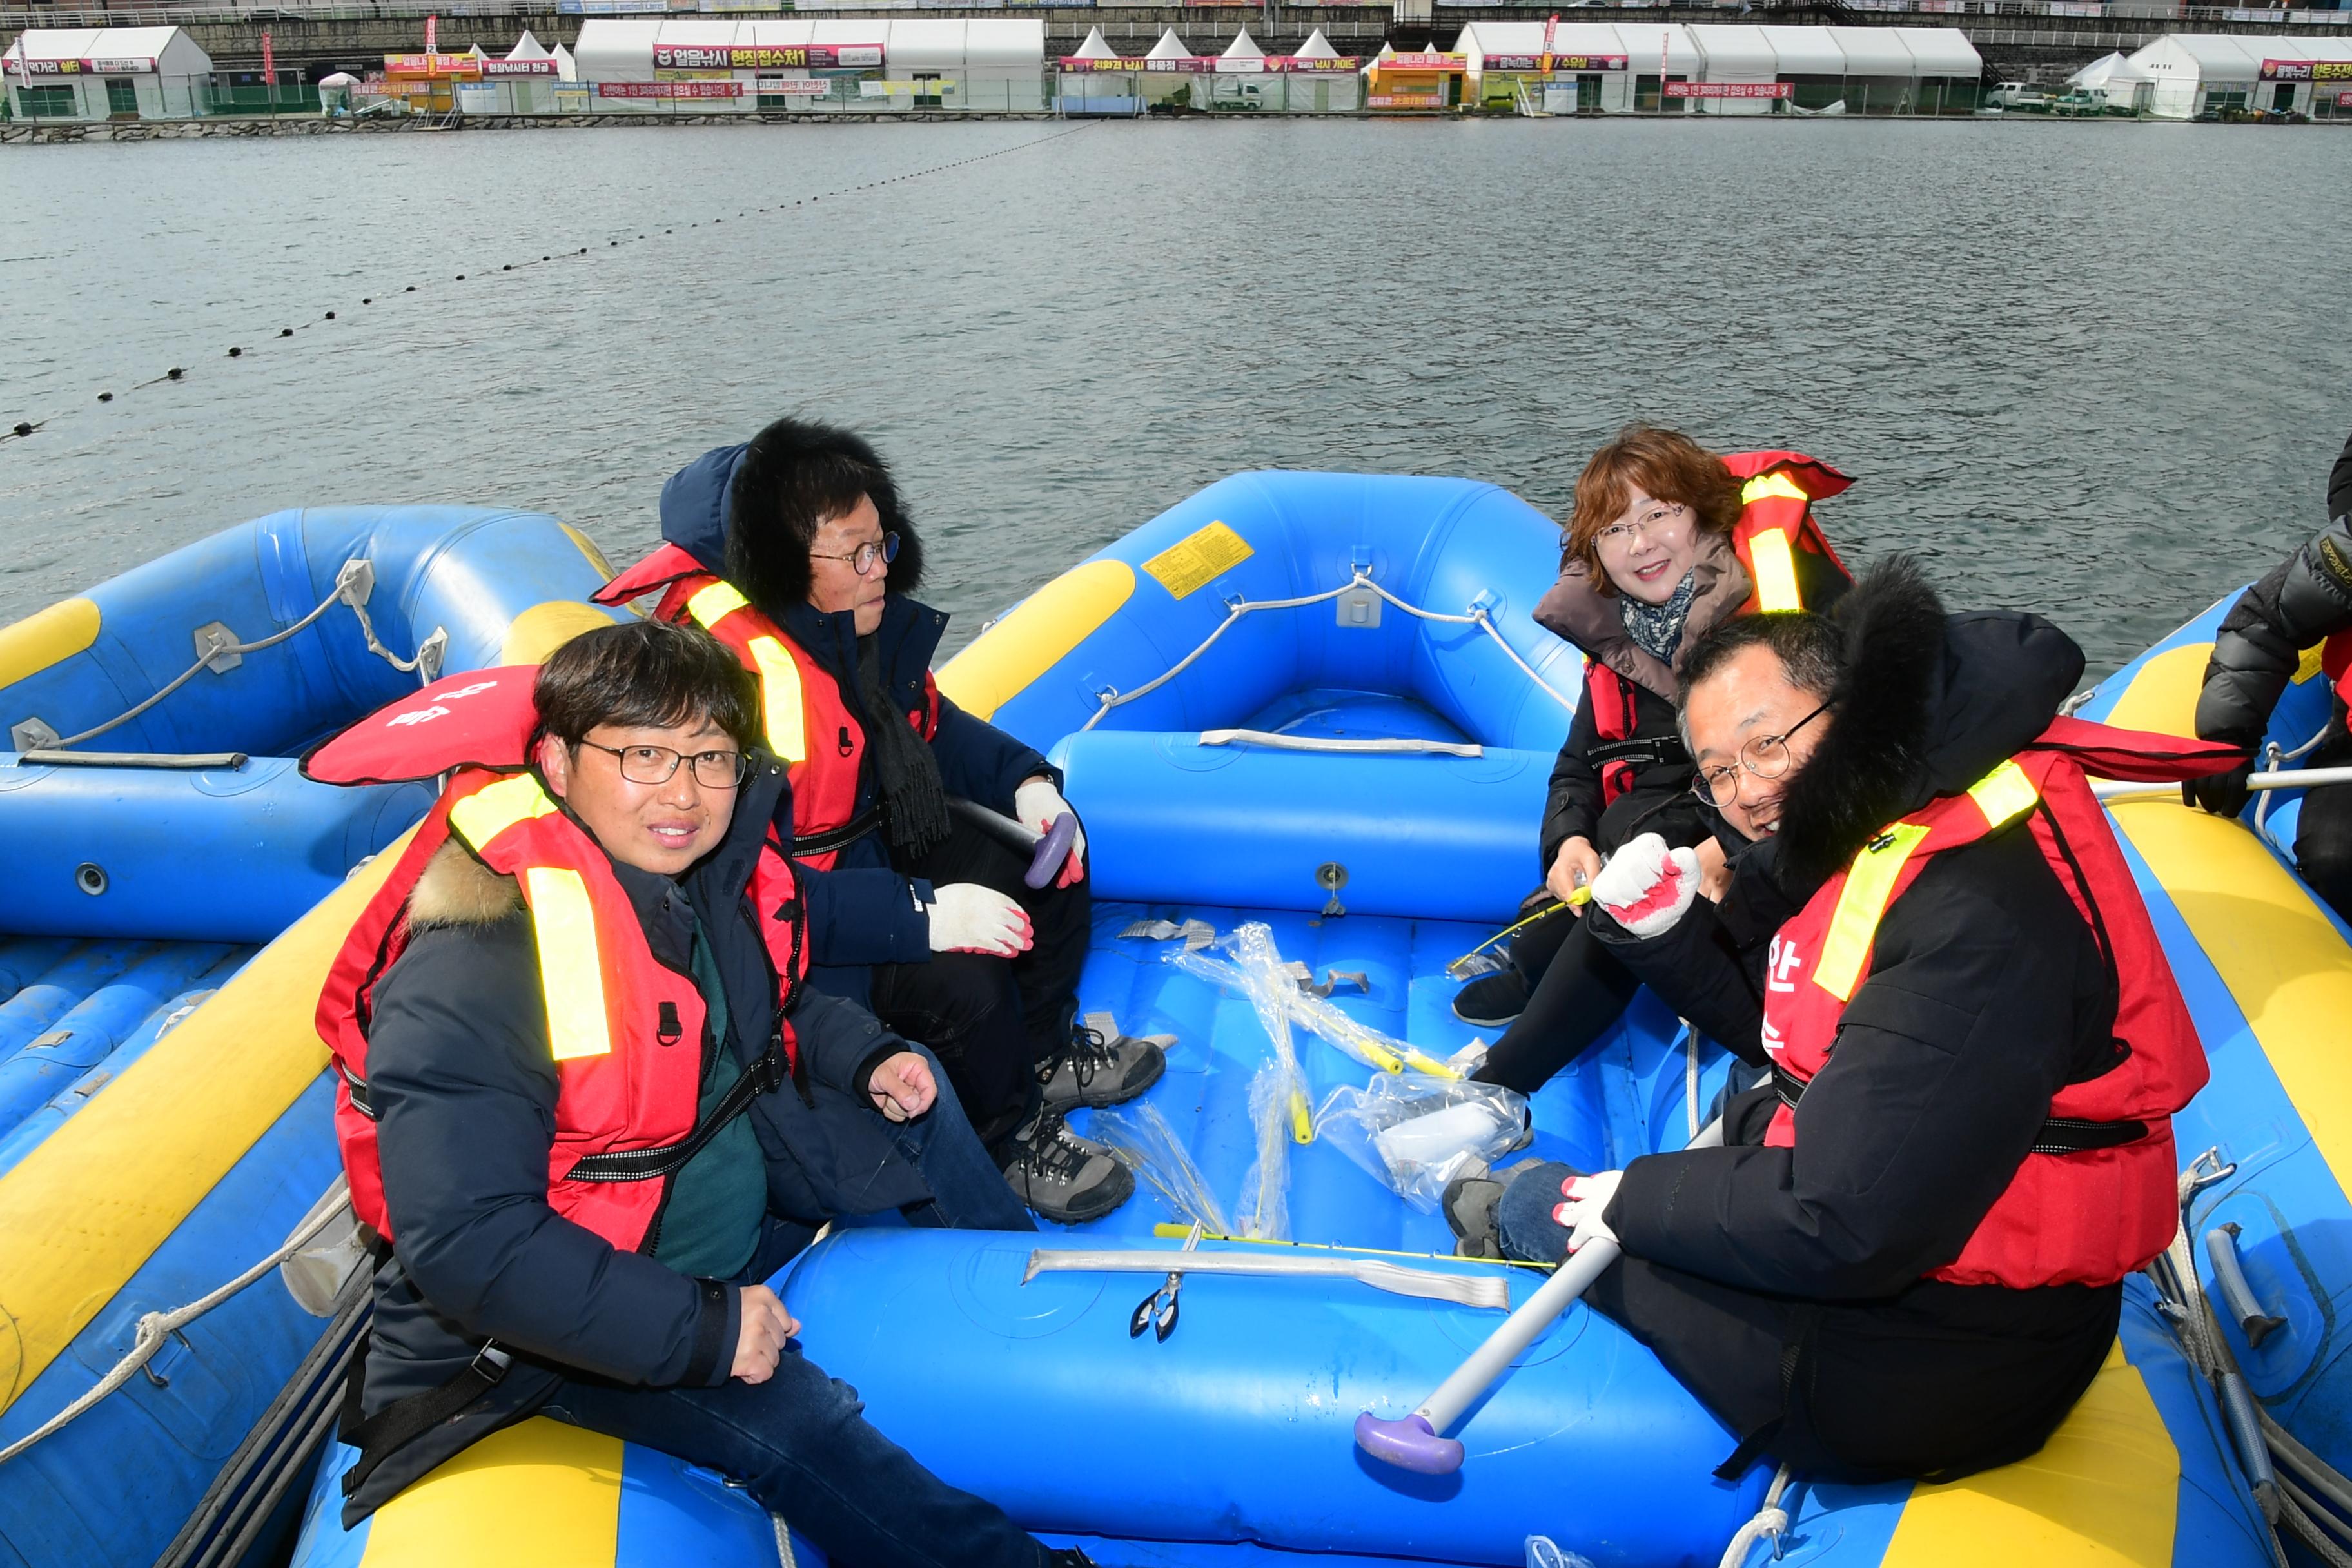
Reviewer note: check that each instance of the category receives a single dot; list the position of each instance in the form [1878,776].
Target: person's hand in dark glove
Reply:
[2224,795]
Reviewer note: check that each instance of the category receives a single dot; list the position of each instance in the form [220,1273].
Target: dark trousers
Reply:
[2323,834]
[991,1020]
[1576,990]
[799,1442]
[1938,1382]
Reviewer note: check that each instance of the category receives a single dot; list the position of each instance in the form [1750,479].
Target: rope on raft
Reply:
[1477,616]
[354,583]
[154,1327]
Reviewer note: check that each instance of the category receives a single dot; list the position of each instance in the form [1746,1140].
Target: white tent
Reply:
[1318,47]
[527,48]
[2191,72]
[1095,48]
[97,73]
[2115,80]
[1169,48]
[1244,54]
[566,67]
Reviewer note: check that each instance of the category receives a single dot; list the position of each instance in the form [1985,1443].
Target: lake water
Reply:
[2097,370]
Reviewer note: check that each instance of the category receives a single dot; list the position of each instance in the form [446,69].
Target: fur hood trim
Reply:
[1872,764]
[456,889]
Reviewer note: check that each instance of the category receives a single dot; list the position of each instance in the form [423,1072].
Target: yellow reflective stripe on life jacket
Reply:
[1775,569]
[1869,884]
[779,694]
[779,677]
[2004,794]
[495,808]
[1776,483]
[714,604]
[570,966]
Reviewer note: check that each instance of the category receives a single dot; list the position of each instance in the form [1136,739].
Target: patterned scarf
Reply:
[1656,629]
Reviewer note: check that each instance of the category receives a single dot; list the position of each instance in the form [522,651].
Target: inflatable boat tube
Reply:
[2267,972]
[164,1116]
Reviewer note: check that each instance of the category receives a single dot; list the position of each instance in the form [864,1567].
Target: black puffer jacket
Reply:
[465,1086]
[1986,992]
[2303,600]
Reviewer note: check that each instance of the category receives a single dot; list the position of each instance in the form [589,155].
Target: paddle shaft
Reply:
[1518,1331]
[1046,850]
[2286,778]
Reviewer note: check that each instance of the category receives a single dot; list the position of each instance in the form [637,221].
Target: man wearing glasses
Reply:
[592,1107]
[1906,1257]
[795,550]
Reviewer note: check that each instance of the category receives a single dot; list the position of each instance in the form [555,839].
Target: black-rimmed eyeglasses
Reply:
[1766,756]
[658,764]
[861,559]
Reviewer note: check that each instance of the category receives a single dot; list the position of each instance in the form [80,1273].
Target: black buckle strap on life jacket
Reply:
[403,1421]
[840,838]
[1653,749]
[358,1089]
[2057,1134]
[762,1076]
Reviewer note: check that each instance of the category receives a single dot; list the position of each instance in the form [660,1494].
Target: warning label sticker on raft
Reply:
[1198,558]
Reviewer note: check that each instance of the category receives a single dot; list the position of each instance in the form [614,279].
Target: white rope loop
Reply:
[1113,698]
[154,1327]
[1770,1523]
[346,591]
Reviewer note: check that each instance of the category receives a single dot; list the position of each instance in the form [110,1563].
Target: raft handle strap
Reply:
[1463,1289]
[1280,742]
[1111,697]
[218,649]
[191,761]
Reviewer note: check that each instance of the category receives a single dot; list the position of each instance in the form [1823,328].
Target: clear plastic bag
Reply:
[1257,973]
[1414,1133]
[1147,1145]
[1264,1208]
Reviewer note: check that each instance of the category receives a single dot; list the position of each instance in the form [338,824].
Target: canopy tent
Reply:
[2112,74]
[1737,54]
[1095,48]
[97,73]
[1805,51]
[1169,48]
[566,67]
[527,48]
[1874,51]
[1940,51]
[1244,54]
[2191,72]
[1317,48]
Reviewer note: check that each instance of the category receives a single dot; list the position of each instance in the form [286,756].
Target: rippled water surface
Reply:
[2096,370]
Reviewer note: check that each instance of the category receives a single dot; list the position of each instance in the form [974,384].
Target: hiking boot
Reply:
[1066,1178]
[1102,1066]
[1469,1208]
[1491,1001]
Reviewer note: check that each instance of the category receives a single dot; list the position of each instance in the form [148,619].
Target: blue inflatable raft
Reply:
[163,1119]
[1313,701]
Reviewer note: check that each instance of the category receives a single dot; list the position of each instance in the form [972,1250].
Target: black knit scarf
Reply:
[914,801]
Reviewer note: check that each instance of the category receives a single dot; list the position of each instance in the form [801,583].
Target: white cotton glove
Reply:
[1588,1197]
[969,917]
[1646,886]
[1039,806]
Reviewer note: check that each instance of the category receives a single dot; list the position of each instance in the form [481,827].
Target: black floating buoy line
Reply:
[25,427]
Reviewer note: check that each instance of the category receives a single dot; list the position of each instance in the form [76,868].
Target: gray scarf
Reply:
[914,801]
[1656,629]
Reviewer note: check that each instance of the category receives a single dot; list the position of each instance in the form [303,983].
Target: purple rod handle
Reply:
[1048,851]
[1409,1445]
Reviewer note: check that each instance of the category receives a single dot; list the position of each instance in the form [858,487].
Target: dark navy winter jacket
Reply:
[464,1088]
[863,911]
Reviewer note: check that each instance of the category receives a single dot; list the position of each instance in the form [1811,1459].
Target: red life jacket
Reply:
[2336,663]
[809,725]
[1776,520]
[625,1029]
[2095,1199]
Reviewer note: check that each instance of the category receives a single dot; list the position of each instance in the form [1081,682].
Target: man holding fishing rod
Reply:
[796,550]
[1905,1258]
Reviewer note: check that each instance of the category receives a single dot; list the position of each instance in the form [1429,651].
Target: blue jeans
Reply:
[800,1443]
[1522,1222]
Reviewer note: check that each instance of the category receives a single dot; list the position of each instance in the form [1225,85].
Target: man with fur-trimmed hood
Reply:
[1905,1258]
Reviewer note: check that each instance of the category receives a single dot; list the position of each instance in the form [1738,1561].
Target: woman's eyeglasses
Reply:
[861,559]
[1658,515]
[1766,756]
